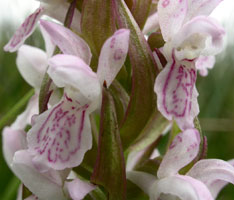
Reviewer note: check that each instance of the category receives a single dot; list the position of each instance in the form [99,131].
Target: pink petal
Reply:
[61,136]
[25,117]
[32,64]
[24,31]
[177,94]
[71,71]
[201,7]
[112,56]
[218,185]
[200,36]
[203,63]
[78,189]
[42,185]
[183,149]
[171,15]
[67,41]
[211,170]
[182,187]
[152,24]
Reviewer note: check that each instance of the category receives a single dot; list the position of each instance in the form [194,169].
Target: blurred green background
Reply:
[216,99]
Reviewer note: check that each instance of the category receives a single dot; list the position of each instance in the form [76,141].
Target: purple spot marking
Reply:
[118,54]
[165,3]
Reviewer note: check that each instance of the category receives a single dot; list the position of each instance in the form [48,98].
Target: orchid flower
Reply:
[56,9]
[199,183]
[60,137]
[188,35]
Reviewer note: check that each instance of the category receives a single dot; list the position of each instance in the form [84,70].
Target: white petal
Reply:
[177,94]
[203,63]
[58,9]
[200,36]
[171,15]
[61,136]
[211,170]
[67,70]
[78,189]
[32,64]
[218,185]
[112,56]
[201,7]
[183,149]
[24,31]
[39,184]
[152,24]
[142,179]
[182,187]
[13,140]
[67,41]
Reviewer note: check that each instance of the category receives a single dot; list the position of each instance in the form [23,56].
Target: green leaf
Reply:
[11,115]
[140,10]
[109,170]
[97,23]
[143,100]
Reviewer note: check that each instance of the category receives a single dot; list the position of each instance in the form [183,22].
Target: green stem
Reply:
[16,109]
[11,190]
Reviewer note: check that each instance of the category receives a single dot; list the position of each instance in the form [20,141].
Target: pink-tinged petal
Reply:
[13,140]
[42,185]
[200,36]
[49,45]
[152,24]
[24,31]
[183,149]
[67,70]
[78,189]
[25,117]
[67,41]
[201,7]
[179,187]
[142,179]
[177,94]
[58,10]
[32,64]
[60,137]
[211,172]
[171,15]
[112,56]
[218,185]
[203,63]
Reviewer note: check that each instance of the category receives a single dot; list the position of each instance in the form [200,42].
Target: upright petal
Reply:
[32,64]
[60,137]
[210,171]
[177,94]
[112,56]
[152,24]
[201,7]
[171,15]
[78,189]
[183,149]
[182,187]
[203,63]
[39,184]
[200,36]
[67,41]
[67,70]
[24,31]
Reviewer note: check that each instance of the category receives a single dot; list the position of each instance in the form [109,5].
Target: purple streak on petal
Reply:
[24,31]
